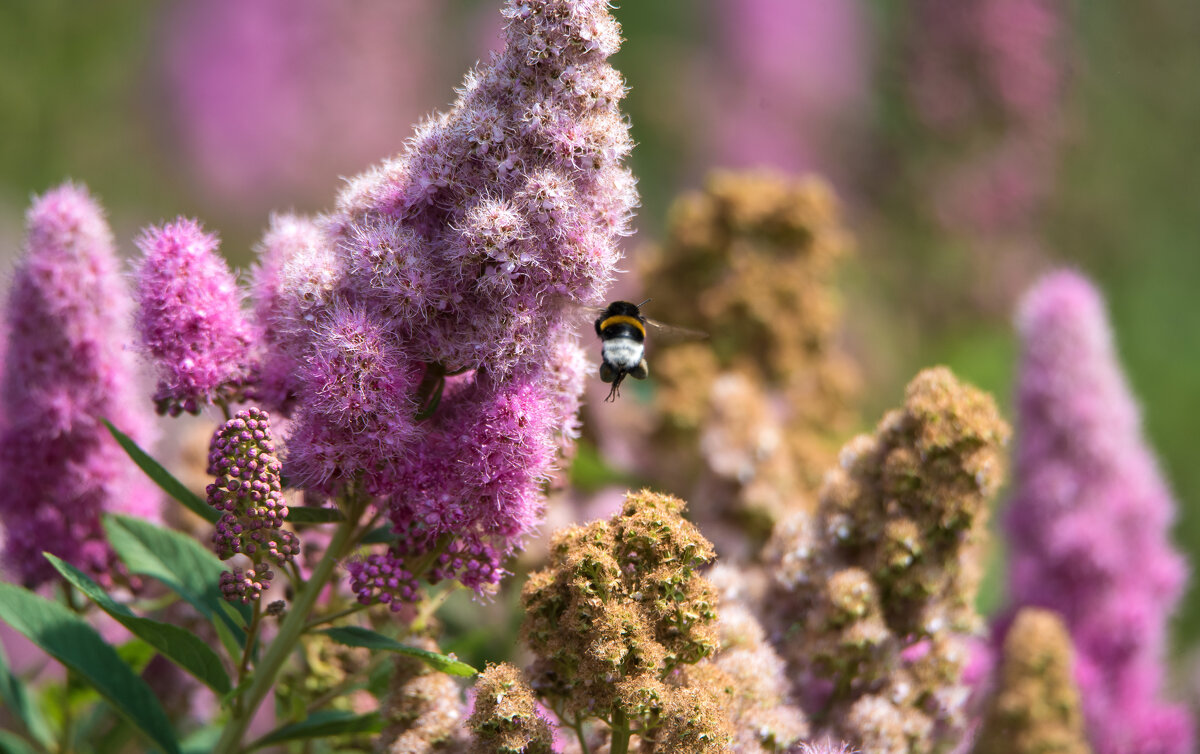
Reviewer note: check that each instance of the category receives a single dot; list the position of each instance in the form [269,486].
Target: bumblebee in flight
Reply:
[621,328]
[622,332]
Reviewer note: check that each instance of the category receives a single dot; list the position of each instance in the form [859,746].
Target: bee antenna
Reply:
[644,303]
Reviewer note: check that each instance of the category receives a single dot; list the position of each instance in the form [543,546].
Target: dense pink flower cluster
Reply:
[424,320]
[275,382]
[190,318]
[66,368]
[1089,518]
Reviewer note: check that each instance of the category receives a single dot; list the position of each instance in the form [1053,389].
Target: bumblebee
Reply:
[622,332]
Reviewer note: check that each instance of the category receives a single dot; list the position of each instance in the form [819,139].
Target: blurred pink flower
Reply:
[1089,520]
[66,368]
[274,99]
[788,75]
[986,77]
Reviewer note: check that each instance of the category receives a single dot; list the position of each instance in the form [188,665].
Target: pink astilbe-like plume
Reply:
[275,381]
[429,324]
[1088,522]
[68,367]
[190,318]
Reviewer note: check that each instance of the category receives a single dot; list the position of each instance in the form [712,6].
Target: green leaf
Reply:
[356,636]
[332,722]
[303,514]
[67,638]
[178,561]
[11,743]
[202,740]
[162,477]
[15,698]
[181,647]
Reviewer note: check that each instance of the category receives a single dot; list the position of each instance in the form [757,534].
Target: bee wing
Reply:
[582,315]
[673,332]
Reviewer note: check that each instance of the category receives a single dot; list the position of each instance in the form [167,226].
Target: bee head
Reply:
[619,308]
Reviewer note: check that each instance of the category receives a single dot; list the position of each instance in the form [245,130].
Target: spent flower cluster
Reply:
[749,261]
[619,613]
[874,591]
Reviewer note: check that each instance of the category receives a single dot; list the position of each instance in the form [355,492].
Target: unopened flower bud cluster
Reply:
[248,494]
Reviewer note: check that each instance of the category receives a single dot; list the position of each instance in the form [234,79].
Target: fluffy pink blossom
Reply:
[66,368]
[1089,519]
[428,325]
[190,318]
[275,381]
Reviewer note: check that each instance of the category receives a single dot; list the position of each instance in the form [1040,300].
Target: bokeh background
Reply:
[973,146]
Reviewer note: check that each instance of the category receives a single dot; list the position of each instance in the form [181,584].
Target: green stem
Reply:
[281,648]
[577,726]
[620,733]
[331,618]
[251,636]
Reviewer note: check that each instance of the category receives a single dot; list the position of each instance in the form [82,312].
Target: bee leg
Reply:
[615,392]
[607,372]
[641,371]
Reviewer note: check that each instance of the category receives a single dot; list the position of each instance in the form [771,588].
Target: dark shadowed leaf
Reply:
[356,636]
[162,477]
[181,647]
[11,743]
[68,639]
[15,698]
[178,561]
[321,725]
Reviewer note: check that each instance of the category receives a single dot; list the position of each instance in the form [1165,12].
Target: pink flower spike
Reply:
[1088,523]
[67,368]
[190,318]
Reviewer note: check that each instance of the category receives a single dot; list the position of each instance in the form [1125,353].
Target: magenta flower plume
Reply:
[1089,519]
[429,327]
[275,382]
[190,318]
[67,367]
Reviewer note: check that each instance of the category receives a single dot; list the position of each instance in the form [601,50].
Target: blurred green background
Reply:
[96,92]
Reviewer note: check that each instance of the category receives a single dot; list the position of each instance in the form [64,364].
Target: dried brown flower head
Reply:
[875,590]
[506,718]
[1036,707]
[621,601]
[749,671]
[750,261]
[422,711]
